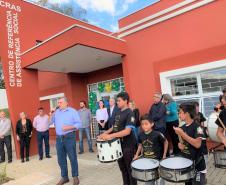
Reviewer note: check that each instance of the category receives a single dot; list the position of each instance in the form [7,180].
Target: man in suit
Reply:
[112,112]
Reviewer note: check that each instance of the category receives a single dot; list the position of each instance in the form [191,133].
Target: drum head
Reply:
[176,163]
[145,164]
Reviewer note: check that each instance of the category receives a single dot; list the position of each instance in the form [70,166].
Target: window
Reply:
[104,94]
[53,103]
[213,81]
[204,87]
[209,103]
[184,86]
[93,87]
[180,101]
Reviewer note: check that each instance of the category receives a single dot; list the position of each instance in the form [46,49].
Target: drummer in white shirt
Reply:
[221,122]
[102,116]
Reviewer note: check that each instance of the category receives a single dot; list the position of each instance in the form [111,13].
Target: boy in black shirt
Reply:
[151,142]
[192,134]
[123,128]
[200,119]
[221,126]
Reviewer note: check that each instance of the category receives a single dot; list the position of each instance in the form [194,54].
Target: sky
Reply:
[106,13]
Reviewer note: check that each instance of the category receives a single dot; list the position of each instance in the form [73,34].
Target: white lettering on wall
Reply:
[10,6]
[14,43]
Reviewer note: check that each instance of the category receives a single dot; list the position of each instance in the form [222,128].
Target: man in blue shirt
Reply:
[66,121]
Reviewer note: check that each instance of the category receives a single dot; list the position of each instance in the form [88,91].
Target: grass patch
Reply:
[3,174]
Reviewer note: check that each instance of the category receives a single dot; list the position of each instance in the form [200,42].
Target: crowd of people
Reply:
[148,136]
[157,134]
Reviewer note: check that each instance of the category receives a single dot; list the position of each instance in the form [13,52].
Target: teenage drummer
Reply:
[123,128]
[221,122]
[151,142]
[191,134]
[200,119]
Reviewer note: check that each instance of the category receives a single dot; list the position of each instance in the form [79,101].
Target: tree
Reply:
[67,8]
[2,82]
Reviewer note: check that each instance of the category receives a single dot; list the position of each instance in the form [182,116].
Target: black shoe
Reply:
[27,159]
[91,151]
[40,158]
[2,161]
[80,152]
[48,156]
[9,161]
[22,160]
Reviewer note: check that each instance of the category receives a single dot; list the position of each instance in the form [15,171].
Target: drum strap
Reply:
[221,122]
[199,160]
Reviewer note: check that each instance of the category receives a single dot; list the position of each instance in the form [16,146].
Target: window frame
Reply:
[195,70]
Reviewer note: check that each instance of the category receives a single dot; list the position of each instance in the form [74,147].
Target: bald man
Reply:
[5,137]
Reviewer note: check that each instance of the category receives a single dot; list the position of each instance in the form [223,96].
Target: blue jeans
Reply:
[66,146]
[40,137]
[88,136]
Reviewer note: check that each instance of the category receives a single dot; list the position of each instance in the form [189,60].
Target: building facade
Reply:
[176,47]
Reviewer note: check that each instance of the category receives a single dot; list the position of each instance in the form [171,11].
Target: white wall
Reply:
[3,99]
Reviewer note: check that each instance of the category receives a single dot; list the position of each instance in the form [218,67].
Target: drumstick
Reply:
[180,139]
[221,122]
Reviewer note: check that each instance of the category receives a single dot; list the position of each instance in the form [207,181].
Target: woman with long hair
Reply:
[102,116]
[171,120]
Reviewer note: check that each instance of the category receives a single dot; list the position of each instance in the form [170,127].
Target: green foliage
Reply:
[66,8]
[92,102]
[3,175]
[116,85]
[101,87]
[2,82]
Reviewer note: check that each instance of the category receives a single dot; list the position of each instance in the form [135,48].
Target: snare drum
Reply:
[145,169]
[177,169]
[219,159]
[109,151]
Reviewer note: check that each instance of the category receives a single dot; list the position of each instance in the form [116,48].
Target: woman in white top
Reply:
[102,116]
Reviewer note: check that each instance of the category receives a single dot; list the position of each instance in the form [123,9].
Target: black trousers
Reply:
[125,166]
[200,179]
[7,140]
[173,136]
[24,144]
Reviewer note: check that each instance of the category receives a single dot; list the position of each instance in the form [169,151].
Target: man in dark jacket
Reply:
[112,112]
[157,113]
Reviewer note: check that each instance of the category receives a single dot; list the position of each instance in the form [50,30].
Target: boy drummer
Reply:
[151,142]
[123,128]
[222,123]
[192,134]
